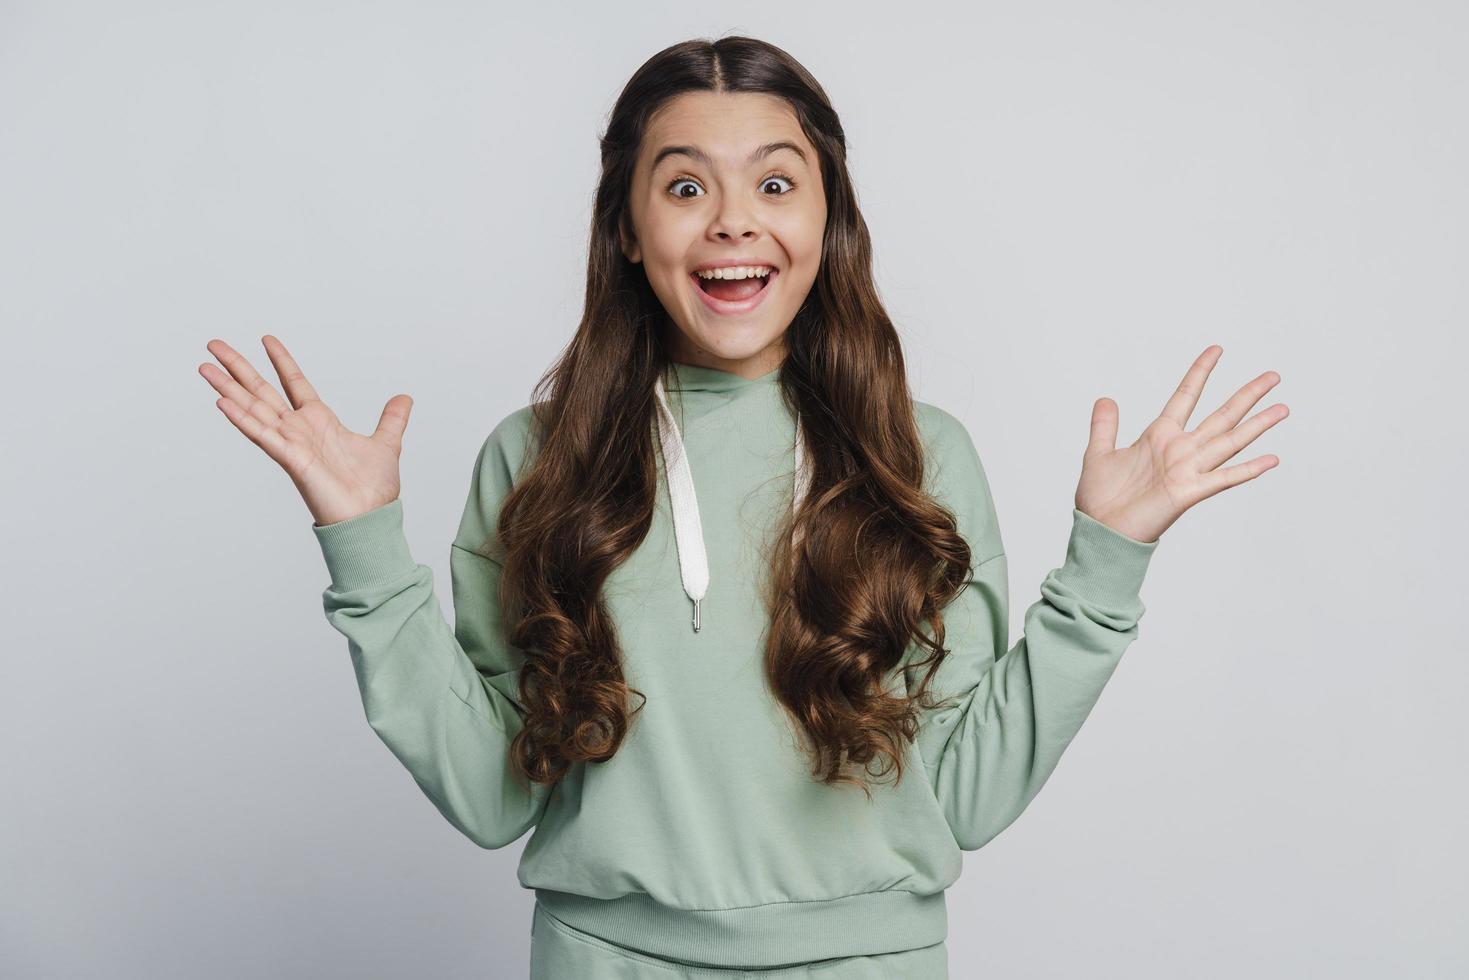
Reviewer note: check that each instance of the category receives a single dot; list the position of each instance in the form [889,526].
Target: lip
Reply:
[726,308]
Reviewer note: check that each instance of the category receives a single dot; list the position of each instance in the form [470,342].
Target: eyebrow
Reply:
[764,150]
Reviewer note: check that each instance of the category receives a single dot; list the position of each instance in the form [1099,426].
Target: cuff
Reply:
[1103,566]
[369,549]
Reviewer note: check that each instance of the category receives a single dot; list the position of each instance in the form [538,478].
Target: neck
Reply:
[754,366]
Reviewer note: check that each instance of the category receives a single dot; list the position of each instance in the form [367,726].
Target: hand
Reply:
[339,473]
[1141,490]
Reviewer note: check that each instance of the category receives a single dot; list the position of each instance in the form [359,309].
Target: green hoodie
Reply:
[706,838]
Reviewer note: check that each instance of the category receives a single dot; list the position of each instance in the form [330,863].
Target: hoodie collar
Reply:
[688,531]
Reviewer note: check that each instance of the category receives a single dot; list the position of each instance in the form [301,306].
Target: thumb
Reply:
[1104,428]
[394,420]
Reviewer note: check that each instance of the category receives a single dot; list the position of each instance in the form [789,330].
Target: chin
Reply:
[733,342]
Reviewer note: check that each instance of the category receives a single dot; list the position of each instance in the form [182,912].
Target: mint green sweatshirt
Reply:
[705,838]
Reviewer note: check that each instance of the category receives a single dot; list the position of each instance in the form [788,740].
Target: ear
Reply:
[628,241]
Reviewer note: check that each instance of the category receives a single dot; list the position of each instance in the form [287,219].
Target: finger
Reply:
[268,438]
[394,420]
[1186,396]
[1227,415]
[1232,476]
[248,378]
[235,392]
[298,389]
[1225,445]
[1103,437]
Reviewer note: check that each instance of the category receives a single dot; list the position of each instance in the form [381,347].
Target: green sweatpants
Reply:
[560,952]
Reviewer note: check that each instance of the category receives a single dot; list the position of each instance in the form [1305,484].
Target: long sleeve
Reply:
[1018,707]
[443,701]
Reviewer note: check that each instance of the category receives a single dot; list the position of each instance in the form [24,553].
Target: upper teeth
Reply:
[734,272]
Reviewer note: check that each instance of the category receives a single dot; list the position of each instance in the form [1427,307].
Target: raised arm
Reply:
[445,702]
[1017,707]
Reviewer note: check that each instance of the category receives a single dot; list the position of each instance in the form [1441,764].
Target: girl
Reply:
[723,577]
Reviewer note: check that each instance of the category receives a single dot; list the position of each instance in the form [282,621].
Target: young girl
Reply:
[731,607]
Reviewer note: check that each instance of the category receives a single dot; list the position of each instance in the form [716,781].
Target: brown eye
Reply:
[776,177]
[682,180]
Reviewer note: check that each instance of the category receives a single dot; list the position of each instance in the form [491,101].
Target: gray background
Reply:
[1067,200]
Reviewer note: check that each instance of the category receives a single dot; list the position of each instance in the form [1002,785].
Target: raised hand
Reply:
[1141,490]
[339,473]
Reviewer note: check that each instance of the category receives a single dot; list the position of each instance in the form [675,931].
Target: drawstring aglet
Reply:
[696,615]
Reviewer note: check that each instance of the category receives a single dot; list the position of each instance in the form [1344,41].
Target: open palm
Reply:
[339,473]
[1142,489]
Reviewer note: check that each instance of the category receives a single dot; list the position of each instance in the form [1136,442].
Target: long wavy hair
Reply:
[875,559]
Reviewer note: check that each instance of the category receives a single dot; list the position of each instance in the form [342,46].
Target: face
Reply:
[727,179]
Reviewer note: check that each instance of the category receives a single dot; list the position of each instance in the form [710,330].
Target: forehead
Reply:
[727,126]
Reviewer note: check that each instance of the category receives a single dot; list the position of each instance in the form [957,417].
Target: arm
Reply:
[1017,707]
[443,701]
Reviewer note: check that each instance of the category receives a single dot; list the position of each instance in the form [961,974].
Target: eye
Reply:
[681,180]
[779,176]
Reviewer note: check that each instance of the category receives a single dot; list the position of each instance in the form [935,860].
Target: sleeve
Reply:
[988,753]
[443,701]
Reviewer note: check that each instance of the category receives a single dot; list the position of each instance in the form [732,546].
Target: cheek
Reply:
[667,251]
[801,237]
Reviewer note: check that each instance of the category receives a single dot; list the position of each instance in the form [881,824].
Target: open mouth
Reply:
[733,295]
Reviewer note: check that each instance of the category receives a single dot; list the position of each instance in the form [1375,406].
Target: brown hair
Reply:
[877,557]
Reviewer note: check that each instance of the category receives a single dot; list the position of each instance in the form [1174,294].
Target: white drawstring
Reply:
[688,532]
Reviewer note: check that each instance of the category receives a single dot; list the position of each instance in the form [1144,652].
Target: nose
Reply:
[734,220]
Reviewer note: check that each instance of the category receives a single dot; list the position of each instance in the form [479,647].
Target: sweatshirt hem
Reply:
[775,934]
